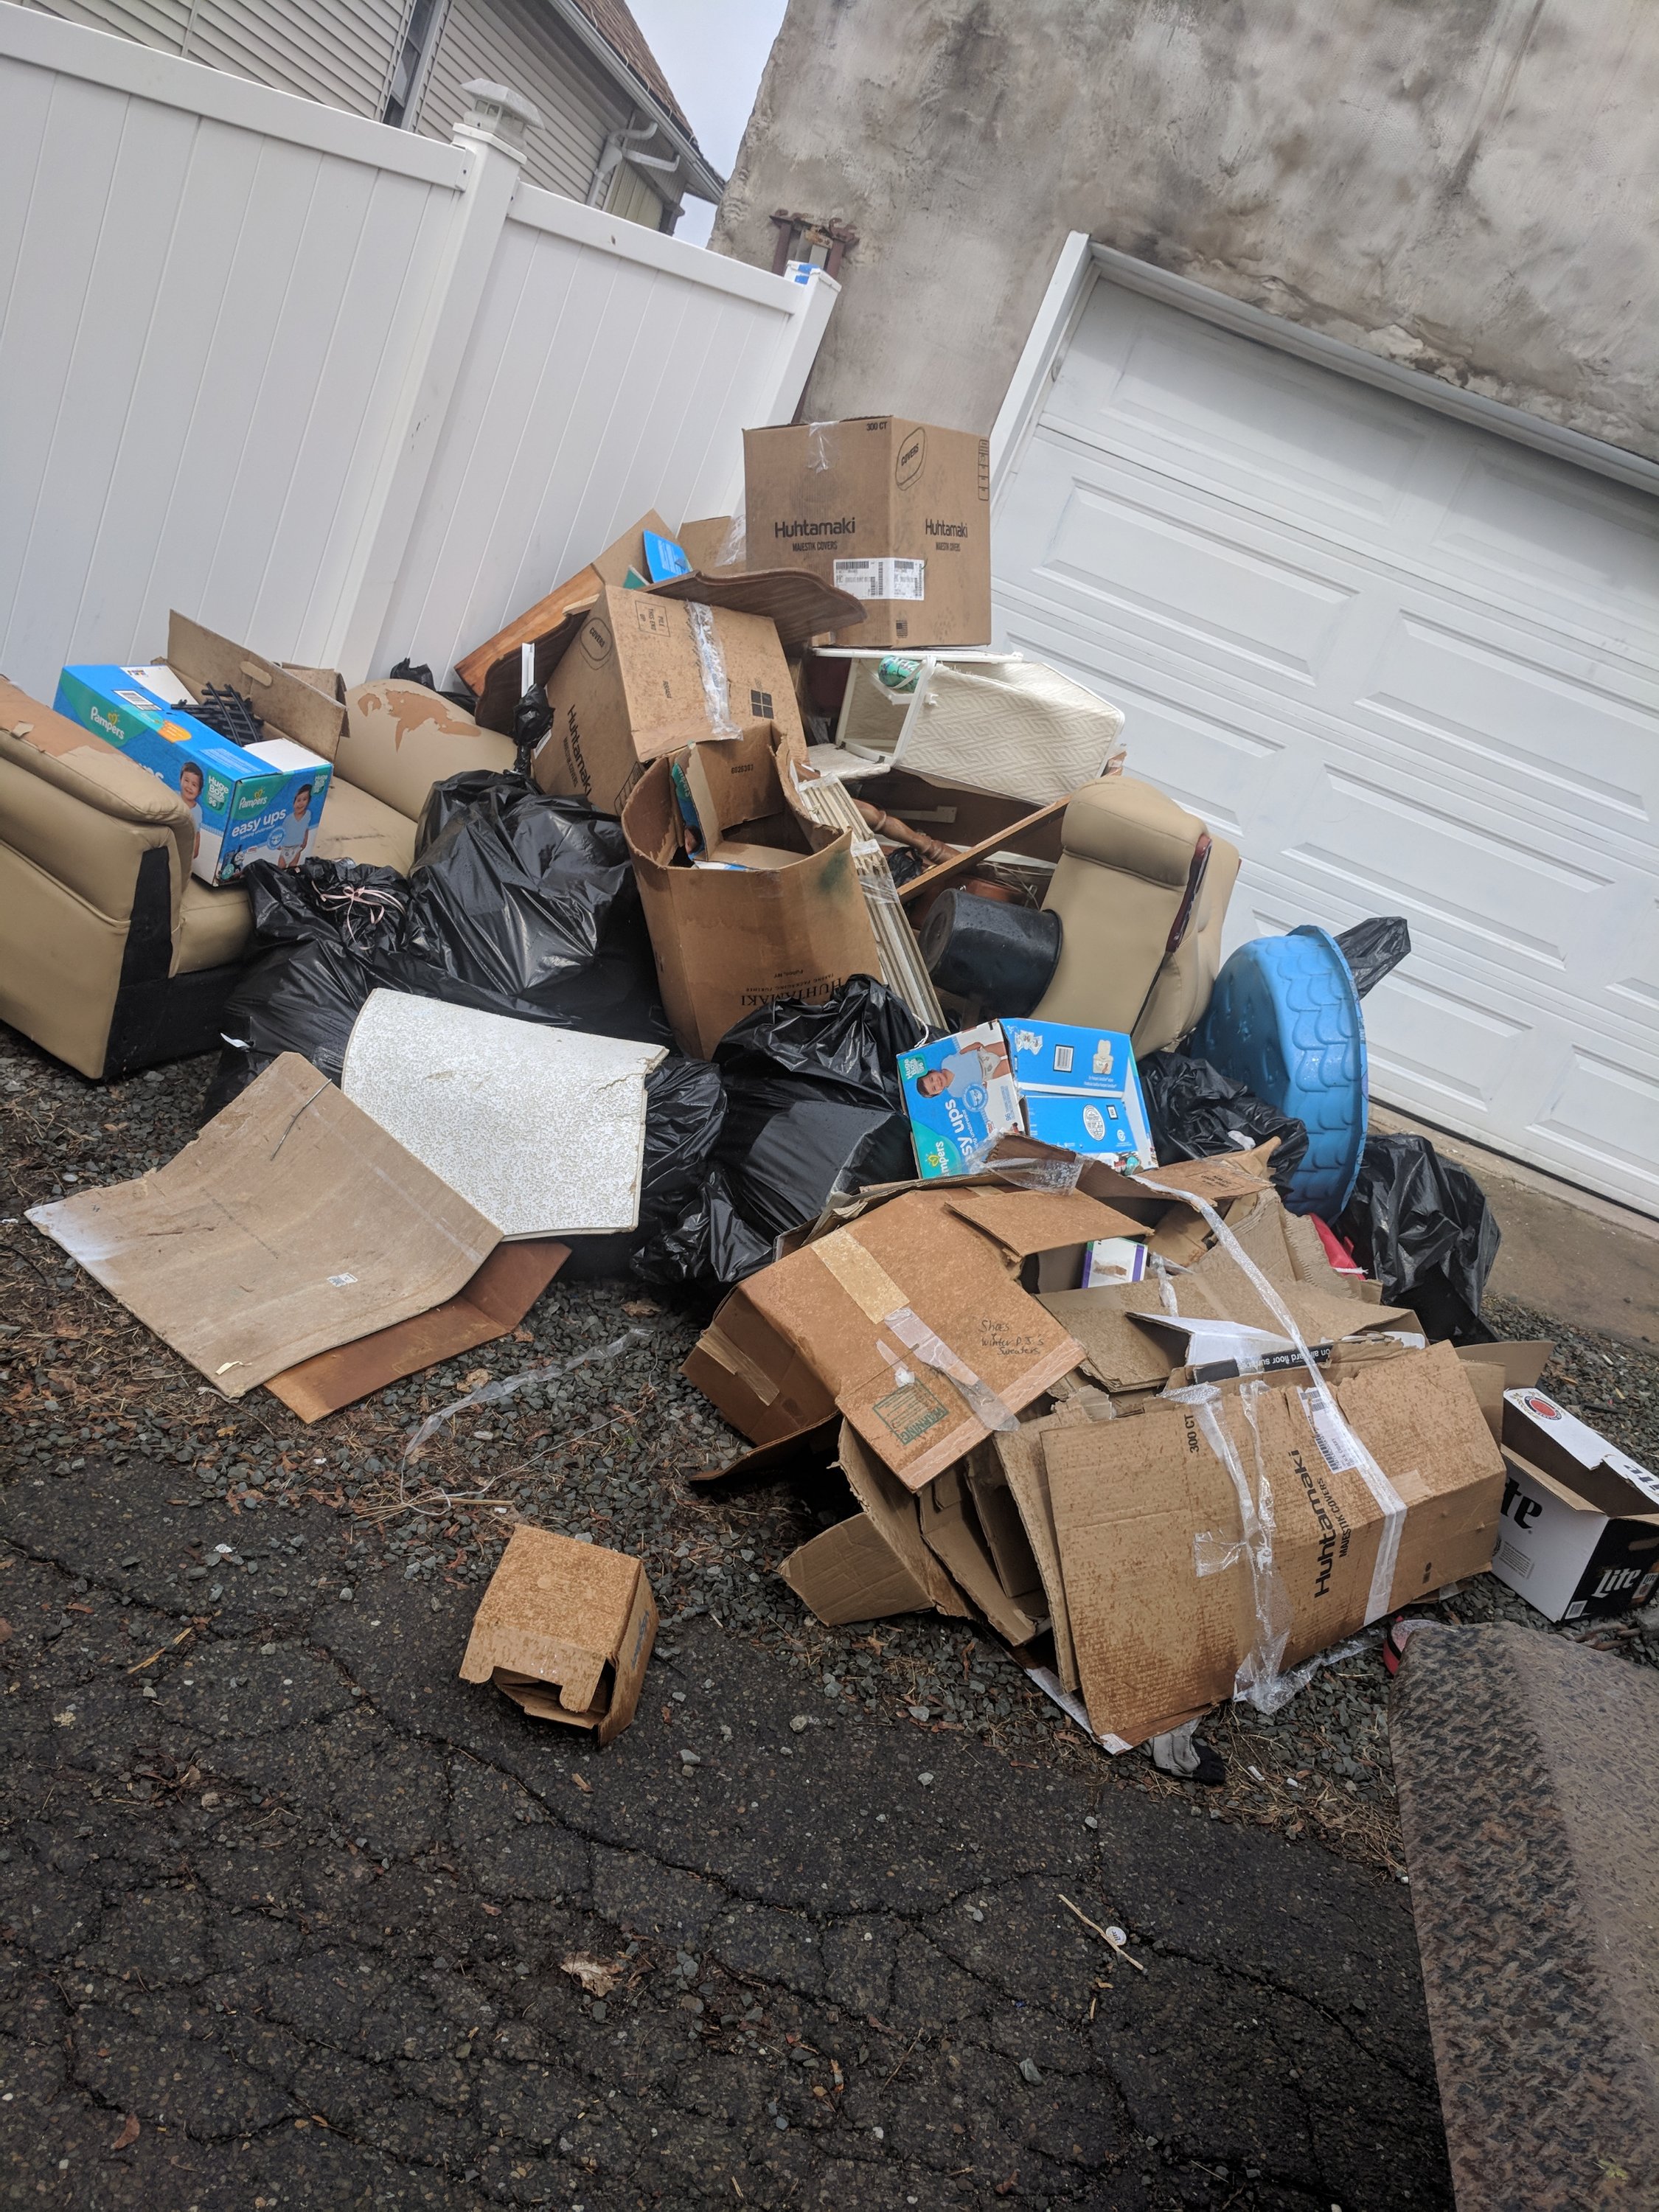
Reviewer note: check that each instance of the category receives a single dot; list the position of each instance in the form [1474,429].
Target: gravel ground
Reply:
[602,1451]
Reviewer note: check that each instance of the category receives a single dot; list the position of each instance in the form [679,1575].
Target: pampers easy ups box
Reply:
[960,1095]
[1081,1089]
[260,803]
[898,513]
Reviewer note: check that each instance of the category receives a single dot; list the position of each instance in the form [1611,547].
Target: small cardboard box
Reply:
[960,1095]
[898,513]
[566,1630]
[648,675]
[1579,1536]
[909,1320]
[1160,1590]
[729,940]
[263,804]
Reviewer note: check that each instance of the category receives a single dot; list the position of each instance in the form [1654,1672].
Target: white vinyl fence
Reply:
[338,392]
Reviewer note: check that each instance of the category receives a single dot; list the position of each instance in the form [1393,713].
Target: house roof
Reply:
[617,26]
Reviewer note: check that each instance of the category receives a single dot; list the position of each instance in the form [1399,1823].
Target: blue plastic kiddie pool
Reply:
[1284,1021]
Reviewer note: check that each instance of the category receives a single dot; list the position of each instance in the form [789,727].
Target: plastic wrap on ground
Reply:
[1421,1225]
[1528,1777]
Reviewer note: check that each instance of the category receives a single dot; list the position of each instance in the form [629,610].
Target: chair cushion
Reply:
[1121,823]
[214,926]
[402,739]
[357,826]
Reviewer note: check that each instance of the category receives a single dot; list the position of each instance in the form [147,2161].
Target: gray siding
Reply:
[518,43]
[320,49]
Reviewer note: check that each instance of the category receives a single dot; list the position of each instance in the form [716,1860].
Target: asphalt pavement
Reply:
[290,1917]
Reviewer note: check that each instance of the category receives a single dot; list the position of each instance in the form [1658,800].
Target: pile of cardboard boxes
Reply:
[1135,1418]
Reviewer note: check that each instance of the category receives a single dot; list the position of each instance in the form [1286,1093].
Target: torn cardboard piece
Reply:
[496,1300]
[802,606]
[292,1224]
[1166,1601]
[729,941]
[542,1129]
[875,1563]
[1579,1534]
[910,1320]
[565,1629]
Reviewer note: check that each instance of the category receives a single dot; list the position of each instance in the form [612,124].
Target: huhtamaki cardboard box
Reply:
[646,675]
[898,513]
[1160,1588]
[730,940]
[245,804]
[909,1320]
[566,1630]
[1579,1537]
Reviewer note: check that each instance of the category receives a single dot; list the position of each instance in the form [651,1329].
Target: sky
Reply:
[712,52]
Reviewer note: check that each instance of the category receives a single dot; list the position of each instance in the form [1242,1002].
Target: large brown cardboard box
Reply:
[909,1320]
[566,1630]
[728,941]
[1160,1592]
[896,513]
[647,676]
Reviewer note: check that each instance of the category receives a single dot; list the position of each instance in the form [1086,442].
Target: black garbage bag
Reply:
[517,904]
[1196,1111]
[813,1106]
[532,717]
[528,905]
[1373,949]
[420,672]
[1421,1226]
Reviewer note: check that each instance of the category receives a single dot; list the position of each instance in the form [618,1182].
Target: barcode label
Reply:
[1331,1433]
[886,578]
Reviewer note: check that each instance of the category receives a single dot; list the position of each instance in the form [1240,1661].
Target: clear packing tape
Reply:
[494,1394]
[711,664]
[932,1351]
[1259,1681]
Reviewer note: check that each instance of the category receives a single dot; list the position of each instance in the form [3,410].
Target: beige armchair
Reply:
[112,955]
[1141,889]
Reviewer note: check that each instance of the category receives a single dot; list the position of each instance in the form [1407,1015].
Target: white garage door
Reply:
[1408,666]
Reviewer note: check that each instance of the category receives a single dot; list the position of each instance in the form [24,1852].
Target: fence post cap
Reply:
[497,115]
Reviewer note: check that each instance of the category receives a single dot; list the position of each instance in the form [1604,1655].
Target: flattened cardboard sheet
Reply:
[291,1224]
[875,1563]
[801,605]
[496,1300]
[565,1629]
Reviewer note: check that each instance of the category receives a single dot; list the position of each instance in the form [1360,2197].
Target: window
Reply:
[410,67]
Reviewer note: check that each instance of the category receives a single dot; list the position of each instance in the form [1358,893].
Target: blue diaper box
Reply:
[960,1095]
[247,804]
[1081,1089]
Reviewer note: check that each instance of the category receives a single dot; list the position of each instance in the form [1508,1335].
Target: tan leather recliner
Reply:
[112,955]
[1141,889]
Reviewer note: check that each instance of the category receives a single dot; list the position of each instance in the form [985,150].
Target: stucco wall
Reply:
[1466,185]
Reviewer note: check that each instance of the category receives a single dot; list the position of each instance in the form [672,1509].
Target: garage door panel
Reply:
[1554,740]
[1635,964]
[1221,597]
[1602,1113]
[1574,538]
[1158,380]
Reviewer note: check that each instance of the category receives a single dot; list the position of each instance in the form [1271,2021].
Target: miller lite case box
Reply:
[898,513]
[1579,1534]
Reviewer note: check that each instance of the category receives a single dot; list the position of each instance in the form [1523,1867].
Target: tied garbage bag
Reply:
[517,904]
[1196,1111]
[810,1105]
[1375,949]
[1421,1226]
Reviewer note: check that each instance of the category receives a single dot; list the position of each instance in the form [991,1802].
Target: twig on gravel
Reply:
[1105,1936]
[162,1653]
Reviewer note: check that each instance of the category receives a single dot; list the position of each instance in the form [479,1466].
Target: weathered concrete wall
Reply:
[1466,185]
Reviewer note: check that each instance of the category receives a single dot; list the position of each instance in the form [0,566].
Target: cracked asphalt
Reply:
[283,1913]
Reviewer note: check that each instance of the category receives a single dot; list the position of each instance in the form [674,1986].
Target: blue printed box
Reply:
[1084,1083]
[960,1095]
[247,804]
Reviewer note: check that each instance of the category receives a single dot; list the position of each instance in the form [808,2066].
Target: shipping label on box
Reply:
[247,804]
[1579,1534]
[960,1095]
